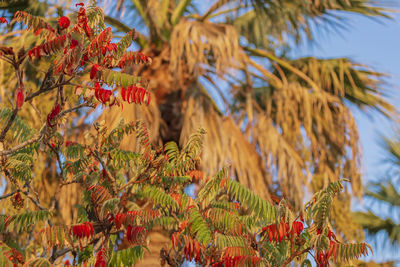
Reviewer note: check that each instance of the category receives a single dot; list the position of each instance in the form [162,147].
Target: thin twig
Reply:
[58,159]
[8,125]
[294,255]
[21,146]
[58,253]
[34,201]
[113,180]
[29,97]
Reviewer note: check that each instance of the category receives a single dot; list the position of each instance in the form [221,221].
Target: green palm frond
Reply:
[374,224]
[384,193]
[277,19]
[393,147]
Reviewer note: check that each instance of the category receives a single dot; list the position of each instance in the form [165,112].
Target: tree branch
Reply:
[9,123]
[9,194]
[294,255]
[40,91]
[113,180]
[43,131]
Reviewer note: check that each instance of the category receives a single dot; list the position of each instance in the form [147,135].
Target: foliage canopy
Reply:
[126,194]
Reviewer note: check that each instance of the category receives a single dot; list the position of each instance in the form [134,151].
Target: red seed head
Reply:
[64,22]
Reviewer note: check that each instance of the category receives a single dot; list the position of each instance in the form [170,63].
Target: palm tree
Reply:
[385,194]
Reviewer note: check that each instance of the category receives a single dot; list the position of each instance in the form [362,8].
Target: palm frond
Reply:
[346,79]
[375,224]
[393,147]
[197,43]
[384,193]
[264,22]
[224,143]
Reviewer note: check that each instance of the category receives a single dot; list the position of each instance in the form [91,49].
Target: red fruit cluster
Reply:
[64,22]
[101,260]
[101,94]
[3,20]
[67,263]
[54,112]
[278,232]
[136,234]
[84,230]
[19,98]
[135,94]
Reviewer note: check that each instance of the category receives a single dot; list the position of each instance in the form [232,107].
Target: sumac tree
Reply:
[127,194]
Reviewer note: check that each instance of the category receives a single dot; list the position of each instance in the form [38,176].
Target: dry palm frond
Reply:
[345,79]
[305,123]
[195,44]
[281,158]
[158,13]
[224,143]
[308,110]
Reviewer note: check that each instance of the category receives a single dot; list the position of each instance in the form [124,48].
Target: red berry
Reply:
[64,22]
